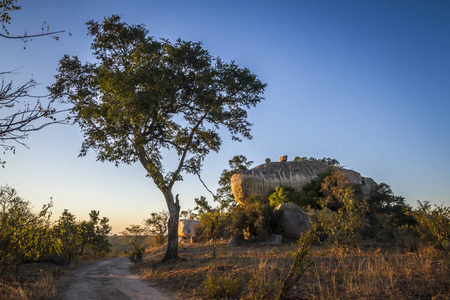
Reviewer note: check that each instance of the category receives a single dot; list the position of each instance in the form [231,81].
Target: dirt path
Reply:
[109,279]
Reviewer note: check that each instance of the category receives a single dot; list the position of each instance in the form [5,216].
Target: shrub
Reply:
[157,224]
[386,202]
[23,234]
[215,225]
[255,219]
[285,195]
[340,226]
[301,262]
[136,236]
[137,255]
[222,286]
[308,197]
[433,224]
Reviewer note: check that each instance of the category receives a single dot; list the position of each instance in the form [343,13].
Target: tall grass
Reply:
[42,288]
[335,273]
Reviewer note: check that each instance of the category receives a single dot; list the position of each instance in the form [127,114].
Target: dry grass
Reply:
[39,281]
[34,281]
[256,270]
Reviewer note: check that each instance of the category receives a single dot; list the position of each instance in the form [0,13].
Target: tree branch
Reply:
[186,149]
[22,37]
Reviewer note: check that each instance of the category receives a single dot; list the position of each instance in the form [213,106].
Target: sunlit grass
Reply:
[377,273]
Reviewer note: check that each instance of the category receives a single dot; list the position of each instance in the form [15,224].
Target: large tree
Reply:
[144,95]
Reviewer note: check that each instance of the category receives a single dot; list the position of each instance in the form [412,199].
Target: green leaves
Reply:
[6,7]
[143,95]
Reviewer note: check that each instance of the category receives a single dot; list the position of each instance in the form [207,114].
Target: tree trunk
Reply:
[174,214]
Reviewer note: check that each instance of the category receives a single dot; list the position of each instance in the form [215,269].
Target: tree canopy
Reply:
[143,95]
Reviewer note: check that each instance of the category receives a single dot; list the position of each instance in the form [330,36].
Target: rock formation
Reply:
[186,228]
[263,179]
[293,220]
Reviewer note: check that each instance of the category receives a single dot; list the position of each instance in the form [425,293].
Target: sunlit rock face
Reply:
[187,228]
[263,179]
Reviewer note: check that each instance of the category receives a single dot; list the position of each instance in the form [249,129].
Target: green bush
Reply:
[285,195]
[308,197]
[24,235]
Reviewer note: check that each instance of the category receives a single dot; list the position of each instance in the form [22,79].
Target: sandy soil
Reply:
[109,279]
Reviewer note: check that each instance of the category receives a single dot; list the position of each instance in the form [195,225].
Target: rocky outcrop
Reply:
[186,228]
[293,220]
[262,180]
[368,187]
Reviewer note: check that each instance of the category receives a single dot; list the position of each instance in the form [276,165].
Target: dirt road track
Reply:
[109,279]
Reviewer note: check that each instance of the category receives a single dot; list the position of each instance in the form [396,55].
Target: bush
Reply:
[24,235]
[222,286]
[256,219]
[137,255]
[386,202]
[433,224]
[301,262]
[285,195]
[136,236]
[308,197]
[340,226]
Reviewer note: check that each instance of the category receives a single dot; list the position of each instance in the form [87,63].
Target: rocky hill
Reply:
[263,179]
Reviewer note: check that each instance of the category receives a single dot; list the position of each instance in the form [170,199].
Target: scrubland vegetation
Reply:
[35,250]
[377,248]
[355,249]
[258,271]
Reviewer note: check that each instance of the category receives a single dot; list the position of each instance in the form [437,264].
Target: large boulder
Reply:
[293,219]
[262,180]
[368,187]
[186,228]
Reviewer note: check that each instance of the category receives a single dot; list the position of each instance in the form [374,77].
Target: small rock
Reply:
[236,241]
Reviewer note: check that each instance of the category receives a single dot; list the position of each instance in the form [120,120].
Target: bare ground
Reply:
[109,279]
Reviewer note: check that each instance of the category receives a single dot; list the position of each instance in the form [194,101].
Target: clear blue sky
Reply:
[365,82]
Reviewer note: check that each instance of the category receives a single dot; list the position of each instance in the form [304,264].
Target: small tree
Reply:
[224,194]
[157,225]
[386,202]
[143,95]
[136,237]
[308,197]
[285,195]
[94,234]
[67,231]
[433,224]
[22,232]
[341,224]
